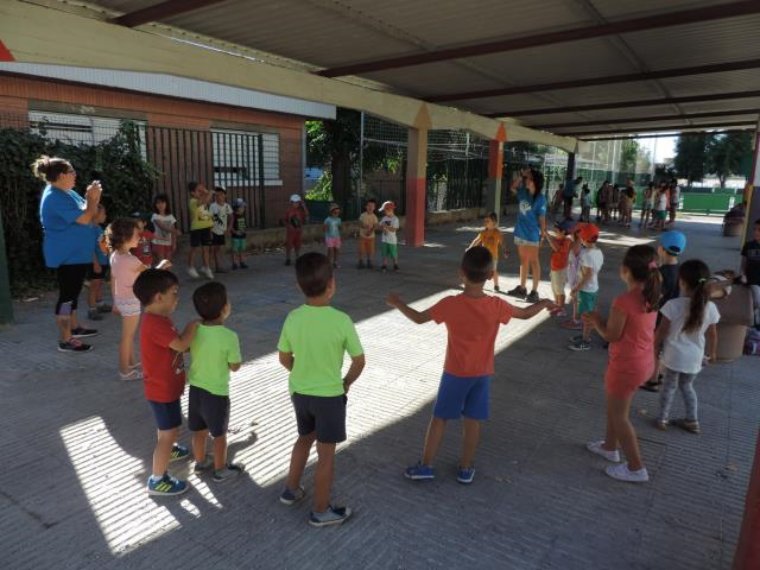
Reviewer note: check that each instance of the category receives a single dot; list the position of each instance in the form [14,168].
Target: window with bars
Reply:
[236,158]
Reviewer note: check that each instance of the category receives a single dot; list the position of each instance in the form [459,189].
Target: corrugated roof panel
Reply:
[710,83]
[614,10]
[435,78]
[726,105]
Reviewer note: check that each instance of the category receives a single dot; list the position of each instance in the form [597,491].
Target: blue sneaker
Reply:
[420,472]
[166,486]
[465,475]
[178,452]
[333,515]
[289,497]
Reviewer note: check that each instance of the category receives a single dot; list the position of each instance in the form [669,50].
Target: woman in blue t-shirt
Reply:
[529,229]
[68,243]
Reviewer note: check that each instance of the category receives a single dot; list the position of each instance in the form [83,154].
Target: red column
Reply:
[748,551]
[416,175]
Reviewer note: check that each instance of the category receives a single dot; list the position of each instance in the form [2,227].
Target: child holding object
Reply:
[492,240]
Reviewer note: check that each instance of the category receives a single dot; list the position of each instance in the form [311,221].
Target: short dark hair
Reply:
[191,186]
[477,264]
[372,200]
[151,282]
[313,273]
[221,189]
[120,231]
[493,217]
[209,300]
[162,198]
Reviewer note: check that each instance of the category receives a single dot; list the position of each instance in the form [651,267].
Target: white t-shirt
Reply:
[161,237]
[593,258]
[220,213]
[683,352]
[390,237]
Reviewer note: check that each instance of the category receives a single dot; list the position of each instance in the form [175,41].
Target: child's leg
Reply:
[496,278]
[94,293]
[618,410]
[470,439]
[126,346]
[199,445]
[191,257]
[323,476]
[215,255]
[667,392]
[535,267]
[335,255]
[433,439]
[298,458]
[522,253]
[220,452]
[163,450]
[686,384]
[206,255]
[561,301]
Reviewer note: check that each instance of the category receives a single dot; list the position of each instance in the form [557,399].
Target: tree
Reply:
[691,155]
[629,153]
[725,153]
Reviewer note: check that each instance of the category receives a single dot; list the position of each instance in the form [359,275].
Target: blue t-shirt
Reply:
[97,233]
[333,227]
[529,211]
[66,242]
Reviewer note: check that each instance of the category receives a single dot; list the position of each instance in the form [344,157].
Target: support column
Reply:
[753,209]
[495,172]
[416,185]
[567,208]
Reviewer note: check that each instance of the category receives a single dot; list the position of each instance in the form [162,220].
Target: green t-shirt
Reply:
[318,337]
[213,349]
[200,217]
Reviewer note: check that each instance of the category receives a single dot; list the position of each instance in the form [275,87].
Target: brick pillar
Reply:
[416,176]
[747,555]
[495,171]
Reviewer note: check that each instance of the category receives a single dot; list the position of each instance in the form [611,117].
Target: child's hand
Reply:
[393,300]
[165,264]
[549,305]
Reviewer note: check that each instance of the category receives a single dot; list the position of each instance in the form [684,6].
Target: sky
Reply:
[661,148]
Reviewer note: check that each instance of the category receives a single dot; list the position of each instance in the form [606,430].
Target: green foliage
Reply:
[127,182]
[691,155]
[725,154]
[322,191]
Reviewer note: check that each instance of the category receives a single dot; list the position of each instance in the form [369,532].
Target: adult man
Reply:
[568,194]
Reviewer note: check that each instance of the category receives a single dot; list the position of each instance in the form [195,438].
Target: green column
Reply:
[6,302]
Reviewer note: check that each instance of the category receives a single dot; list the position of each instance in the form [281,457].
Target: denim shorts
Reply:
[168,415]
[520,241]
[462,396]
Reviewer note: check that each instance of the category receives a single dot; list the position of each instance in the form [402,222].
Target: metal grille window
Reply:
[236,158]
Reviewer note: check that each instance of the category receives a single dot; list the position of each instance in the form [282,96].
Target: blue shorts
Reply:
[168,415]
[459,396]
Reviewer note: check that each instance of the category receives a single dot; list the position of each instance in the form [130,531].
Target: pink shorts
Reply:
[127,307]
[332,242]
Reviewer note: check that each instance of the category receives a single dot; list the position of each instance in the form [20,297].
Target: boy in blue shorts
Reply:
[214,352]
[314,338]
[472,320]
[161,347]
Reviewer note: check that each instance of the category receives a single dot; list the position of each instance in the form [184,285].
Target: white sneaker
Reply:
[596,447]
[622,473]
[193,272]
[207,272]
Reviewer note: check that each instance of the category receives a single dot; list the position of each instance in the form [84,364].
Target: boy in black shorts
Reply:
[313,340]
[215,351]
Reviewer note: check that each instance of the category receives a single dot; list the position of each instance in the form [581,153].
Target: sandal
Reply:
[688,425]
[651,386]
[661,425]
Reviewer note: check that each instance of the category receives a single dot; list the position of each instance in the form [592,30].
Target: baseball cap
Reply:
[589,233]
[566,226]
[388,204]
[295,198]
[239,202]
[334,206]
[674,242]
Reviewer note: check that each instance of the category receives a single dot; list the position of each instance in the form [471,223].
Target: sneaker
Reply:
[289,497]
[572,325]
[166,486]
[420,472]
[580,346]
[622,473]
[465,475]
[360,265]
[234,266]
[661,425]
[105,308]
[178,452]
[230,471]
[576,338]
[333,515]
[130,376]
[73,345]
[81,332]
[519,292]
[206,465]
[94,315]
[596,447]
[396,267]
[532,297]
[688,425]
[207,272]
[193,272]
[243,265]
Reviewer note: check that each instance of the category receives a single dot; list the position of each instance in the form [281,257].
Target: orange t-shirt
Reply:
[491,240]
[472,324]
[559,257]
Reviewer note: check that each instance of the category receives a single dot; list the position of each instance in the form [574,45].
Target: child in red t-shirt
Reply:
[472,320]
[144,249]
[163,372]
[560,245]
[294,220]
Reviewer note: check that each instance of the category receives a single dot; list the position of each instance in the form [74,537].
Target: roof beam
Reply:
[161,11]
[628,120]
[661,20]
[726,125]
[628,104]
[593,81]
[661,135]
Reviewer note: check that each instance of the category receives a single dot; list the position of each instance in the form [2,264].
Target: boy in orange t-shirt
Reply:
[491,239]
[560,245]
[472,320]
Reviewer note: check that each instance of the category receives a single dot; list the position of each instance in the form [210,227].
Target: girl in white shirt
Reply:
[685,322]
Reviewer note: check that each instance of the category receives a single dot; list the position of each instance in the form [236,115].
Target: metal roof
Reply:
[448,50]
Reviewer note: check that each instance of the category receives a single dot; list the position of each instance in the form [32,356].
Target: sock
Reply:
[155,479]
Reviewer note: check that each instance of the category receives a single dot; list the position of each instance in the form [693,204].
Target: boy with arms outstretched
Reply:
[472,320]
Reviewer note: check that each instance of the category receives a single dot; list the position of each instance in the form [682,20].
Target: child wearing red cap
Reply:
[587,288]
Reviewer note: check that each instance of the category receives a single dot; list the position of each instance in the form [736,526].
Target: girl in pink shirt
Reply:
[630,331]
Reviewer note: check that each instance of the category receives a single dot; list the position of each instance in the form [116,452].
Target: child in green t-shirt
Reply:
[215,351]
[312,343]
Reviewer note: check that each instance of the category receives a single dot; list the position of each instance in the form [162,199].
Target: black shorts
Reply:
[200,238]
[324,414]
[217,239]
[167,415]
[103,274]
[208,411]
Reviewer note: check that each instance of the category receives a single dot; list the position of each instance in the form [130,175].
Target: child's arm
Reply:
[661,334]
[357,365]
[552,240]
[586,274]
[95,265]
[532,310]
[287,360]
[475,242]
[612,329]
[183,341]
[418,317]
[712,342]
[235,366]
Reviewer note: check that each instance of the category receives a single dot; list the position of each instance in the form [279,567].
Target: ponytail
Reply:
[49,169]
[641,261]
[694,274]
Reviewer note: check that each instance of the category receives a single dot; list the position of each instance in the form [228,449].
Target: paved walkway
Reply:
[77,445]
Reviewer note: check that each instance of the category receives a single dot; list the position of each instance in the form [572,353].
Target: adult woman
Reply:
[529,230]
[68,243]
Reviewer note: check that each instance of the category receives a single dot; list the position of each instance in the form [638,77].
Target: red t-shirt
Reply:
[295,218]
[559,257]
[632,356]
[472,324]
[144,251]
[163,368]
